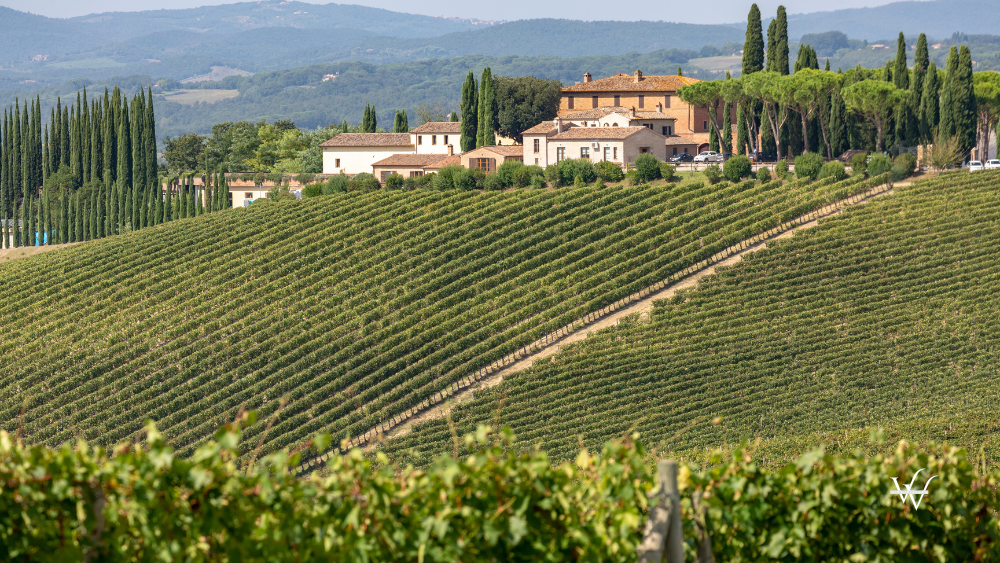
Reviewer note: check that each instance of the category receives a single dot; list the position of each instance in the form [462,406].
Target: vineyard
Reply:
[337,314]
[883,316]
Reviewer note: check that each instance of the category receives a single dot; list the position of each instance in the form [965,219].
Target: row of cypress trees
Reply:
[479,111]
[935,109]
[89,172]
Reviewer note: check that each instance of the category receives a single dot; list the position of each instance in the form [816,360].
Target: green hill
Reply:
[885,316]
[356,307]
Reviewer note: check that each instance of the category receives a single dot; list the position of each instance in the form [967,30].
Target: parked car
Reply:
[727,156]
[682,157]
[975,166]
[708,156]
[993,164]
[764,157]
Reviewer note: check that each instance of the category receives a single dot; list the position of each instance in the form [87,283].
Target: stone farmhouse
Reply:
[655,94]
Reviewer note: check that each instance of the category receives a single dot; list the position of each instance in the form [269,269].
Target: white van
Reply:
[975,166]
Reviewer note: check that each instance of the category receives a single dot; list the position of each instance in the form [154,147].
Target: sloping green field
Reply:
[886,316]
[354,307]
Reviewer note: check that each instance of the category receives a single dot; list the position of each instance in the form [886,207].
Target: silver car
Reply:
[708,156]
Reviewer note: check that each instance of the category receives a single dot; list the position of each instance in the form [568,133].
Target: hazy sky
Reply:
[713,11]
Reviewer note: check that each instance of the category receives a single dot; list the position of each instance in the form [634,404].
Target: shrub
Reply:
[878,164]
[411,183]
[609,171]
[713,174]
[667,171]
[632,178]
[537,182]
[579,183]
[781,169]
[570,168]
[304,178]
[394,181]
[427,179]
[552,175]
[529,172]
[897,173]
[859,163]
[907,162]
[312,190]
[764,175]
[737,168]
[507,171]
[599,183]
[469,179]
[445,178]
[808,165]
[492,182]
[833,169]
[365,182]
[647,167]
[337,184]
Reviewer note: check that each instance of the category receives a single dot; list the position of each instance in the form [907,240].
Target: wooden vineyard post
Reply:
[663,538]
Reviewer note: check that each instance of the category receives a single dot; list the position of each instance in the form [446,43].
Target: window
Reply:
[385,174]
[584,152]
[484,164]
[420,139]
[704,125]
[570,102]
[614,151]
[248,195]
[666,101]
[416,173]
[665,131]
[560,154]
[642,101]
[536,161]
[446,139]
[675,150]
[336,163]
[434,139]
[643,150]
[618,101]
[607,153]
[536,144]
[593,101]
[648,125]
[614,125]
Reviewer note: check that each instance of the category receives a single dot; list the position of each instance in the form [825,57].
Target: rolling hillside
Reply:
[355,307]
[885,316]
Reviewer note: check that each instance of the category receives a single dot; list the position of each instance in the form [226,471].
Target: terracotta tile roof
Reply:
[675,140]
[609,133]
[626,83]
[597,113]
[411,160]
[448,161]
[506,150]
[543,128]
[439,127]
[369,140]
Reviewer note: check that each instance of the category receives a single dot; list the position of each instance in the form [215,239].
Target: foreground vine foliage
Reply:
[143,503]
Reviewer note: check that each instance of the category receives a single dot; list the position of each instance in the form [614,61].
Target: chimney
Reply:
[659,107]
[587,77]
[637,76]
[451,150]
[633,111]
[558,123]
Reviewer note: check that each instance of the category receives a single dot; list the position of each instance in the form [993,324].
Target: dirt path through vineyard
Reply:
[641,308]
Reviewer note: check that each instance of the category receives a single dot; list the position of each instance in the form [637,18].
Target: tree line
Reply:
[90,171]
[785,112]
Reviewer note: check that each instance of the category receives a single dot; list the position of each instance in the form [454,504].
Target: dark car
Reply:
[764,157]
[682,157]
[726,156]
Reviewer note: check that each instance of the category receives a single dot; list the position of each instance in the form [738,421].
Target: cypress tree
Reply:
[929,104]
[713,140]
[366,119]
[46,162]
[406,121]
[772,45]
[108,129]
[453,117]
[781,42]
[741,131]
[753,47]
[838,125]
[65,139]
[139,187]
[4,168]
[487,110]
[64,215]
[192,207]
[946,125]
[92,227]
[727,124]
[96,167]
[149,147]
[963,99]
[124,174]
[827,66]
[168,205]
[901,79]
[397,123]
[470,113]
[343,127]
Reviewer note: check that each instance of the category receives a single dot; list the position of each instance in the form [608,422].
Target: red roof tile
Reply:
[627,83]
[369,140]
[411,160]
[439,127]
[609,133]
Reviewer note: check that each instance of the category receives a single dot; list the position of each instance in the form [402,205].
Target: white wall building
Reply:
[548,143]
[354,153]
[434,137]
